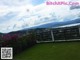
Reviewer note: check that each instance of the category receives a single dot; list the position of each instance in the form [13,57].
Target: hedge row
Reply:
[18,43]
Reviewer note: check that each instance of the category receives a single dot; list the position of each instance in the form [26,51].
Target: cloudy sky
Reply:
[20,14]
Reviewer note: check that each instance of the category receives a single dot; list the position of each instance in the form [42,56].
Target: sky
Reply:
[19,14]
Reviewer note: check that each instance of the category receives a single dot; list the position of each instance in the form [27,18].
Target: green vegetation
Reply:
[19,43]
[51,51]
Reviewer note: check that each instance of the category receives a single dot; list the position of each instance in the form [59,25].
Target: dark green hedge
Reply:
[19,43]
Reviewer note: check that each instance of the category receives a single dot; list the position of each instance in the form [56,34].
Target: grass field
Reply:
[51,51]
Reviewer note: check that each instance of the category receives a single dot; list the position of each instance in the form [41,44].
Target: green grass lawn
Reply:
[51,51]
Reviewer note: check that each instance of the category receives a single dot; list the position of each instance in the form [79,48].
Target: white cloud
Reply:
[27,15]
[14,2]
[19,12]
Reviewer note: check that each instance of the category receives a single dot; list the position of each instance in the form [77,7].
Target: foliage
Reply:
[19,43]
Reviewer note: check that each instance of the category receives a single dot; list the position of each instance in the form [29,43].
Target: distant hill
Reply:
[47,25]
[56,24]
